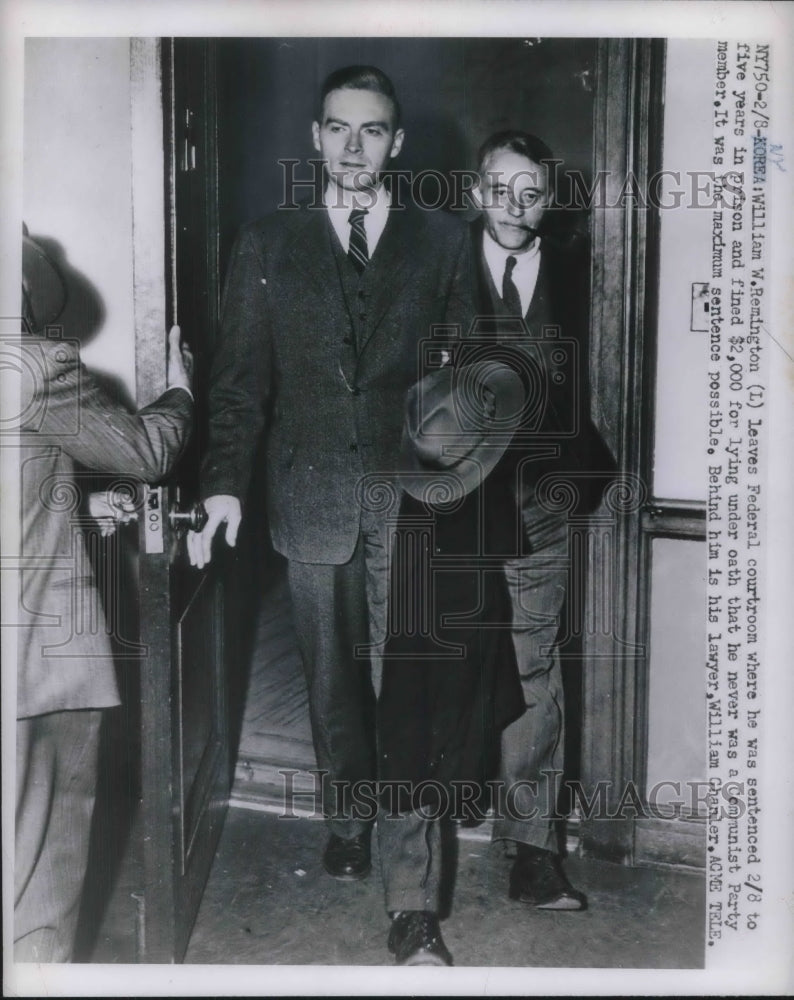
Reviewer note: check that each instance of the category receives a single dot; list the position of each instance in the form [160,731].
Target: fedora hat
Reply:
[43,287]
[459,422]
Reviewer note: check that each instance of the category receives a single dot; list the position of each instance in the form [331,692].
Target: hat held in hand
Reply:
[458,424]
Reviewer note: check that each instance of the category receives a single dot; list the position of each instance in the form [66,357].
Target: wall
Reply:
[77,189]
[454,92]
[676,703]
[676,742]
[685,239]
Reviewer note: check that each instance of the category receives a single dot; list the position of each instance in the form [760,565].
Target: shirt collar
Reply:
[496,255]
[338,199]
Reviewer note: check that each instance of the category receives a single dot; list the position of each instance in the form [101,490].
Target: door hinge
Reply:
[140,925]
[187,156]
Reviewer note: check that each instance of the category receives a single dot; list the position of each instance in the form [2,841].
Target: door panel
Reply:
[185,769]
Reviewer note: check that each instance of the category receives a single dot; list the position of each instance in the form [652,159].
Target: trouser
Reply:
[410,857]
[340,620]
[57,760]
[533,745]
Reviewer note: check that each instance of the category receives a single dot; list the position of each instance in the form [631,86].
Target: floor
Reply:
[269,902]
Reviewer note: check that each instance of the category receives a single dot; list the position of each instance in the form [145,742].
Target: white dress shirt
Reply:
[525,273]
[339,202]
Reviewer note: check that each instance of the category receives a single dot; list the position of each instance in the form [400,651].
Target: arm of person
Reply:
[239,388]
[70,409]
[110,508]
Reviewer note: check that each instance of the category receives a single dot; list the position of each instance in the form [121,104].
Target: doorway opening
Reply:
[266,100]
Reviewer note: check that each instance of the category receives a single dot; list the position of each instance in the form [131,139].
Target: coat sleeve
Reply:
[240,374]
[65,406]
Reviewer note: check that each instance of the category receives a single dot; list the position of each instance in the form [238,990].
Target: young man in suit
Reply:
[66,674]
[323,311]
[533,290]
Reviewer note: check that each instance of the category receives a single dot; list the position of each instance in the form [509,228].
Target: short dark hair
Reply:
[523,143]
[360,78]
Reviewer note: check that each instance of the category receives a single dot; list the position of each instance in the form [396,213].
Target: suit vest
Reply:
[356,288]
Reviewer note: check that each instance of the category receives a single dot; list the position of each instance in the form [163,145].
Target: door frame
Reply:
[628,125]
[180,825]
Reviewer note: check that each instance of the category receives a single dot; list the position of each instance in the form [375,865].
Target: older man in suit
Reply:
[65,667]
[532,295]
[323,311]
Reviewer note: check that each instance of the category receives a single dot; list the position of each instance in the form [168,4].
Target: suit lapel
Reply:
[393,262]
[538,305]
[311,251]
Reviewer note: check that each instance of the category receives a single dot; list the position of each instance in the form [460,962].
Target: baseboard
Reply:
[679,843]
[260,784]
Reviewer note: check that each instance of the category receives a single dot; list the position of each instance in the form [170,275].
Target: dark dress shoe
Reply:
[415,939]
[348,859]
[537,878]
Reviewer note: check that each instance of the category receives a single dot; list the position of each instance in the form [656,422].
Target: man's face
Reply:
[513,194]
[356,137]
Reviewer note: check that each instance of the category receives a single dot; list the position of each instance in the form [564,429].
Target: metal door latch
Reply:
[153,542]
[193,519]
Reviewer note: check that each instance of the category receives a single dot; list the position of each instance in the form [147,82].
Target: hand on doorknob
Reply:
[221,509]
[111,508]
[180,362]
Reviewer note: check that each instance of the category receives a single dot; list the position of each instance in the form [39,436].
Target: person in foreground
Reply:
[323,310]
[531,285]
[65,674]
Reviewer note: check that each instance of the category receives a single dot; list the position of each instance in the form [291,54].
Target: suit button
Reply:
[347,340]
[356,391]
[361,294]
[353,446]
[362,317]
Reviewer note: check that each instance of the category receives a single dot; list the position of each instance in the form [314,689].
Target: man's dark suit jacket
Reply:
[562,422]
[325,366]
[64,652]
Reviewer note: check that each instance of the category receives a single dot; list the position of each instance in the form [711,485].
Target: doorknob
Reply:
[194,518]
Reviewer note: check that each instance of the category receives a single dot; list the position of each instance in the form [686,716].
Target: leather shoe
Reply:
[415,939]
[538,879]
[348,859]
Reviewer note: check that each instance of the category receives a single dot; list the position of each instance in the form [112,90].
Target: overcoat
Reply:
[450,682]
[558,440]
[68,424]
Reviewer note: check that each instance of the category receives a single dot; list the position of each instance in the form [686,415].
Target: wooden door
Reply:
[185,766]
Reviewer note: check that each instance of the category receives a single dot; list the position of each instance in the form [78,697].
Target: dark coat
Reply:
[440,716]
[558,348]
[450,682]
[324,365]
[64,654]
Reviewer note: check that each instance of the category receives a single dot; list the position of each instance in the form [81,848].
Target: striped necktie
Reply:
[357,248]
[510,296]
